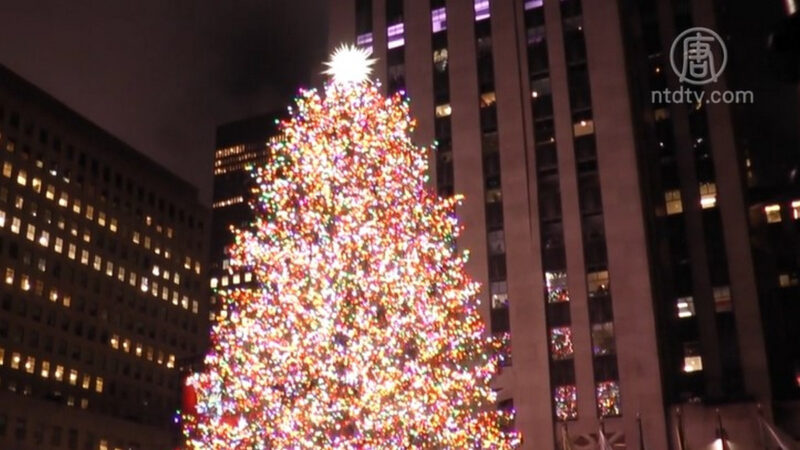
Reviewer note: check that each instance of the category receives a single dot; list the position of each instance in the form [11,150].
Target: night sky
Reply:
[162,74]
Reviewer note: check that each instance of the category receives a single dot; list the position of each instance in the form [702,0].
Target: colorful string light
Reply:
[363,332]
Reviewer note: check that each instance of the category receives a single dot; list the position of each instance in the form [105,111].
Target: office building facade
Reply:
[103,296]
[609,231]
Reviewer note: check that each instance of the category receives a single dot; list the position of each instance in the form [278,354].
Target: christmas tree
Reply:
[363,331]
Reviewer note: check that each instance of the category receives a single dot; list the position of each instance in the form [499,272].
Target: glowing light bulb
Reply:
[350,64]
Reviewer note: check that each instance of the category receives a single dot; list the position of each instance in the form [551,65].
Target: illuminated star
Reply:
[350,64]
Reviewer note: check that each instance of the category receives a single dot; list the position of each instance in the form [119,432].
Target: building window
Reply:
[556,285]
[722,299]
[583,128]
[608,399]
[796,209]
[499,293]
[673,202]
[603,342]
[22,177]
[597,283]
[482,10]
[439,19]
[561,343]
[708,195]
[566,402]
[15,359]
[787,279]
[685,307]
[58,374]
[497,243]
[692,361]
[443,110]
[395,35]
[773,213]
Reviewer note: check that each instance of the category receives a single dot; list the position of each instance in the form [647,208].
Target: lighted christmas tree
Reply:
[363,332]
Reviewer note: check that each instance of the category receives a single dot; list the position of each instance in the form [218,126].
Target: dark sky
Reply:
[161,74]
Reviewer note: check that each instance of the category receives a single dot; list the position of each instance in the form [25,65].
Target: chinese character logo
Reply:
[702,56]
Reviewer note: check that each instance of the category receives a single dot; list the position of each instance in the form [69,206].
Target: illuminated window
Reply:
[101,219]
[597,283]
[195,306]
[19,202]
[98,384]
[773,213]
[439,19]
[50,194]
[126,345]
[44,238]
[566,402]
[197,267]
[499,294]
[147,242]
[15,360]
[787,279]
[113,225]
[149,220]
[236,279]
[556,285]
[114,341]
[87,381]
[2,219]
[149,353]
[660,114]
[59,373]
[25,282]
[561,343]
[103,444]
[31,232]
[171,361]
[84,403]
[796,209]
[443,110]
[87,236]
[59,245]
[30,364]
[121,273]
[135,237]
[63,200]
[482,10]
[169,232]
[708,195]
[187,263]
[71,251]
[132,279]
[36,184]
[487,99]
[603,342]
[53,295]
[67,301]
[2,356]
[224,280]
[76,206]
[583,128]
[138,349]
[176,278]
[73,377]
[184,301]
[98,262]
[722,299]
[395,35]
[156,271]
[248,277]
[440,59]
[109,268]
[144,284]
[673,202]
[692,361]
[7,169]
[608,399]
[45,372]
[90,212]
[685,307]
[84,257]
[9,275]
[22,177]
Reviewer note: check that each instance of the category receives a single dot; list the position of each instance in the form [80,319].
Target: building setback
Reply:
[609,232]
[103,296]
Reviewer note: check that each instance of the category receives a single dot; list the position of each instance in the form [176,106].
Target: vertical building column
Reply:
[530,384]
[631,290]
[419,75]
[731,201]
[379,42]
[467,158]
[342,24]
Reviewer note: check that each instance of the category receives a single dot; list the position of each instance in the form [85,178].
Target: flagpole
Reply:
[721,432]
[761,436]
[681,443]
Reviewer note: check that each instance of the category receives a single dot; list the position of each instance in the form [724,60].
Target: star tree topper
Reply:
[350,64]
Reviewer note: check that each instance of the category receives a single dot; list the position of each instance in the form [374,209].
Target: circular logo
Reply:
[698,56]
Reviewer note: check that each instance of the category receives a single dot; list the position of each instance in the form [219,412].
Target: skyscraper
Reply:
[103,294]
[608,227]
[239,145]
